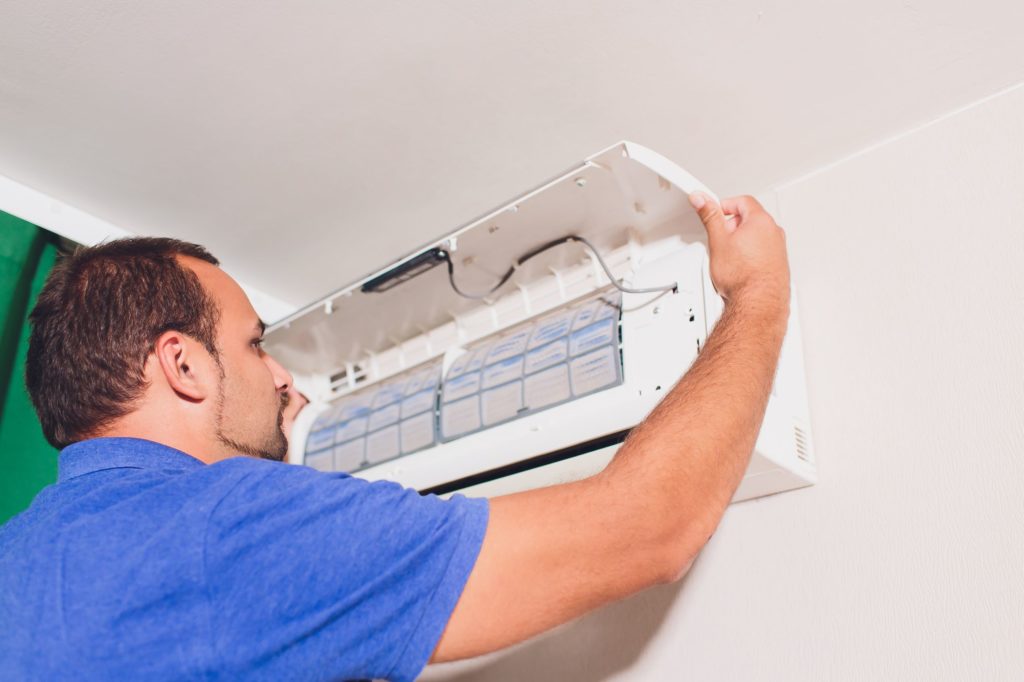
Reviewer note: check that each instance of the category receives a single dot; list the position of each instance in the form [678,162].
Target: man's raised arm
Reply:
[552,554]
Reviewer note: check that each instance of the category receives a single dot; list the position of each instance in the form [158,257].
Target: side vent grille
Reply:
[347,377]
[803,446]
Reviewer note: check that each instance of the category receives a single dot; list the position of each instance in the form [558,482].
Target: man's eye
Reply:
[257,343]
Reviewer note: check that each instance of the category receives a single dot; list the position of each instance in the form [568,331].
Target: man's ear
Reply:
[182,366]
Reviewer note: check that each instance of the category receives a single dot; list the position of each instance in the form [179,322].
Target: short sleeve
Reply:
[315,575]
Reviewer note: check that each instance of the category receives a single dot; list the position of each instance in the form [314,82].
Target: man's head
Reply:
[148,338]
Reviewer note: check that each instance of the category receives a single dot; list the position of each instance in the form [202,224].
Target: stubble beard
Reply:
[274,446]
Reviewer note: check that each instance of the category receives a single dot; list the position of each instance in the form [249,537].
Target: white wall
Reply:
[84,228]
[906,561]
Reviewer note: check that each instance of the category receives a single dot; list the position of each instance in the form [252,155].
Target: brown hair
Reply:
[95,323]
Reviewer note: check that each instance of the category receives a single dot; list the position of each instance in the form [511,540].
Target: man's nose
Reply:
[282,377]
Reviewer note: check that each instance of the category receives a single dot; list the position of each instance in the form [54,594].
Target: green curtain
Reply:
[27,462]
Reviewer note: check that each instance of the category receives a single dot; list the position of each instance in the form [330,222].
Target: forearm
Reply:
[550,555]
[688,457]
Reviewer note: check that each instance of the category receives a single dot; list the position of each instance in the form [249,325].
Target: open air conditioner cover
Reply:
[540,381]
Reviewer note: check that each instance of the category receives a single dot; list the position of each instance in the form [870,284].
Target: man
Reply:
[160,553]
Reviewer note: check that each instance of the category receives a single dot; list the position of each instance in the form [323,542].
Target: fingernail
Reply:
[697,200]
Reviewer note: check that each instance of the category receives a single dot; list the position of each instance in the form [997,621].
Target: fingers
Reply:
[710,214]
[292,403]
[296,401]
[741,206]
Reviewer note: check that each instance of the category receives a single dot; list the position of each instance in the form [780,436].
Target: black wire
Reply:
[476,297]
[674,287]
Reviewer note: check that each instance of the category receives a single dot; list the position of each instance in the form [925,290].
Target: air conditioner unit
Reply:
[538,381]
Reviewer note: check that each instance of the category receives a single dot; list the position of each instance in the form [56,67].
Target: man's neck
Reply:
[175,436]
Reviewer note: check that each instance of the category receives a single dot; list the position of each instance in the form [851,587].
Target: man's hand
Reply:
[748,250]
[294,402]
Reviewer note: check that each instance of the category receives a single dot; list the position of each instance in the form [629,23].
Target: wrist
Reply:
[768,304]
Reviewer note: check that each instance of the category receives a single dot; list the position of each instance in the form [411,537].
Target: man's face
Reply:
[252,391]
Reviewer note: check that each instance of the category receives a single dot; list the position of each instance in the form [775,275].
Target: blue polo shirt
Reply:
[142,562]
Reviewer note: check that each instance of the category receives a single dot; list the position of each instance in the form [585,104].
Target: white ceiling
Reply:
[309,143]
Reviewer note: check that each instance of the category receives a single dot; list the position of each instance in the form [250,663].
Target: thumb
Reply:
[710,214]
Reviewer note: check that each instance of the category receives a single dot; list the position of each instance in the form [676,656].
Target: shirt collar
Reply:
[96,454]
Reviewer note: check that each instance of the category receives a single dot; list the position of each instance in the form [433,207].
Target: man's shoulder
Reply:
[246,491]
[245,464]
[245,470]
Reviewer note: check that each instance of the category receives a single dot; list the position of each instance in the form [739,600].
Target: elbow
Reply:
[680,551]
[675,572]
[675,566]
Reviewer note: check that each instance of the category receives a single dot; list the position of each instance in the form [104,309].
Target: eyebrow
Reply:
[260,326]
